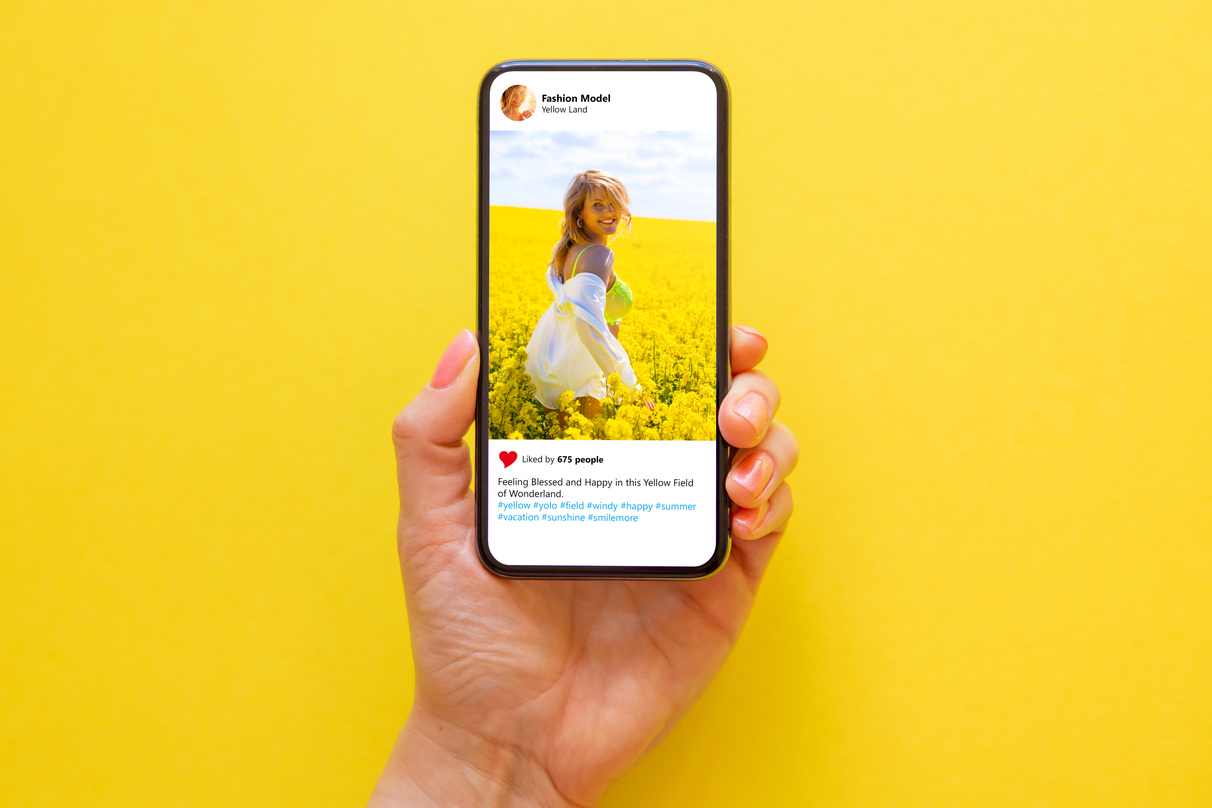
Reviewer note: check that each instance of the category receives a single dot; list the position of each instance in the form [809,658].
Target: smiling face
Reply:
[600,217]
[515,101]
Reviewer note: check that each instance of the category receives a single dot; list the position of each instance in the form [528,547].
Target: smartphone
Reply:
[603,319]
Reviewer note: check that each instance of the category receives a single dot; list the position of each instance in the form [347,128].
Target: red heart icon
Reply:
[508,457]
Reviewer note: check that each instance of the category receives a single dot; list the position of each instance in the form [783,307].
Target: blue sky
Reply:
[669,175]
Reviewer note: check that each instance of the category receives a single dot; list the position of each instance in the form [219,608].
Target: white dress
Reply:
[571,347]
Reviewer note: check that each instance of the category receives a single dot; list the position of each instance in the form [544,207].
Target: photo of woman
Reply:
[601,286]
[518,102]
[575,344]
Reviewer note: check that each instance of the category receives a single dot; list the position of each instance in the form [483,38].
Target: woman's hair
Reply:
[579,190]
[507,96]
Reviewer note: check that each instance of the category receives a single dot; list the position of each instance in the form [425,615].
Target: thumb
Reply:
[432,461]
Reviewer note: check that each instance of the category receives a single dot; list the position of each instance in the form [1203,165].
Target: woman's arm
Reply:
[599,337]
[588,298]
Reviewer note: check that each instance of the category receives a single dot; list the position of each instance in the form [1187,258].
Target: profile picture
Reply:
[602,286]
[518,102]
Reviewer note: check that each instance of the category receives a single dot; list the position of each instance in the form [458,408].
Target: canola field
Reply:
[669,334]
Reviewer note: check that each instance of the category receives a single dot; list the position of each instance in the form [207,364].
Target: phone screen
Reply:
[603,301]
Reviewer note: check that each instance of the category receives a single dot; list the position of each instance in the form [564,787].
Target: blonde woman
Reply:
[575,344]
[517,103]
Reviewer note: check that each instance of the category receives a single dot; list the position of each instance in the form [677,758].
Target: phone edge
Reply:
[724,452]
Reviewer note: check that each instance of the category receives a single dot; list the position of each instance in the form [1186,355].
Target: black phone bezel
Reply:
[723,323]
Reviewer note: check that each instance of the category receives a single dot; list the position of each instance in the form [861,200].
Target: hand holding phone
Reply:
[549,691]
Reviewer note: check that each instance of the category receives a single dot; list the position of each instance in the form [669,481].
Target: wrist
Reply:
[437,763]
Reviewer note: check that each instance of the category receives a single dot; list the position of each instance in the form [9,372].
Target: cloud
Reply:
[668,174]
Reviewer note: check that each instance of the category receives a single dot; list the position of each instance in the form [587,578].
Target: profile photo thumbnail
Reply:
[518,102]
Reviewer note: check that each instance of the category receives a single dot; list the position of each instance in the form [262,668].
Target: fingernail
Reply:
[456,356]
[754,410]
[754,472]
[750,331]
[751,519]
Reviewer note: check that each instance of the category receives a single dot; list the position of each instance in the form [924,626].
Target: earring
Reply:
[580,222]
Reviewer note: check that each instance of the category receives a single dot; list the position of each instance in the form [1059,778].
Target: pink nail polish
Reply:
[751,519]
[754,472]
[456,356]
[750,331]
[753,408]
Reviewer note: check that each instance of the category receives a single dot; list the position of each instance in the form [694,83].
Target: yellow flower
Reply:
[670,334]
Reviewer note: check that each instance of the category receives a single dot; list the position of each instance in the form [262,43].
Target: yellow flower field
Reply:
[669,334]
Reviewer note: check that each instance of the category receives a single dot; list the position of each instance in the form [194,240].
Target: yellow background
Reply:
[235,236]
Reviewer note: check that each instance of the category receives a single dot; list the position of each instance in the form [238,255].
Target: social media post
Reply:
[602,335]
